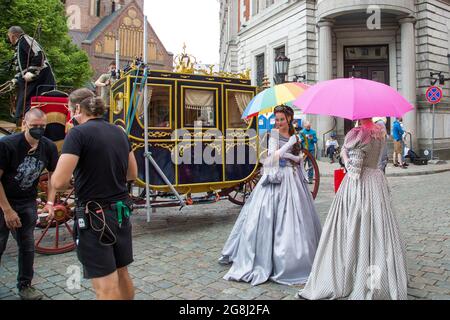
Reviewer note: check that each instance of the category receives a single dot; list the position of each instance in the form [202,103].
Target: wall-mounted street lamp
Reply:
[440,77]
[281,68]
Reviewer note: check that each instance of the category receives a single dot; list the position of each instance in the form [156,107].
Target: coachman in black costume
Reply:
[34,73]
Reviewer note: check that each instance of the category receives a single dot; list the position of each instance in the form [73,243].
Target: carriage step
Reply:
[195,201]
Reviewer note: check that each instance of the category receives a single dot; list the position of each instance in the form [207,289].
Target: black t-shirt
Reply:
[101,173]
[21,171]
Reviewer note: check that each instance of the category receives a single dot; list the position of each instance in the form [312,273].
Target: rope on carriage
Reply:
[141,88]
[7,87]
[132,94]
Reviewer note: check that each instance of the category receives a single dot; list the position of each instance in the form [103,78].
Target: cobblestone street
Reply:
[176,254]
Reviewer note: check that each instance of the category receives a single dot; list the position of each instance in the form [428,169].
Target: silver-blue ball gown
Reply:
[277,232]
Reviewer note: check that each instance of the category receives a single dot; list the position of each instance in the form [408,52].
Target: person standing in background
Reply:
[104,83]
[311,139]
[397,135]
[384,159]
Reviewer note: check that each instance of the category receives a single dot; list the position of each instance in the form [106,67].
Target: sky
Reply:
[194,22]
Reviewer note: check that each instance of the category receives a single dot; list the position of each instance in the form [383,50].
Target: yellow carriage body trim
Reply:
[113,104]
[165,73]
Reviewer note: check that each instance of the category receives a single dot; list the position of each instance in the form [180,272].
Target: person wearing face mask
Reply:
[23,158]
[100,157]
[34,73]
[104,83]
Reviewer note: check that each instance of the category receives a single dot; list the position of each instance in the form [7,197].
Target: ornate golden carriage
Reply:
[189,114]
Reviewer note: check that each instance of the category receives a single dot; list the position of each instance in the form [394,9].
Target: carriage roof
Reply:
[239,79]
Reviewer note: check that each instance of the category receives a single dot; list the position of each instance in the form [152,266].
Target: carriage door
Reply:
[161,123]
[199,138]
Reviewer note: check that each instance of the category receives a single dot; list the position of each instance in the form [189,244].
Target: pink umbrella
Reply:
[353,99]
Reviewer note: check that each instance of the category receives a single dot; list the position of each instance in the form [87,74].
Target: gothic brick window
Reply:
[259,69]
[98,4]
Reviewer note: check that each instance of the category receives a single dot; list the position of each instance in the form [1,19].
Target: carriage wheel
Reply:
[240,193]
[56,236]
[310,163]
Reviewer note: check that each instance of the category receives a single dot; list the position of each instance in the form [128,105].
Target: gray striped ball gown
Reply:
[361,254]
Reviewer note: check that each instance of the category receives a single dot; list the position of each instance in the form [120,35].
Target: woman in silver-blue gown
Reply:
[277,232]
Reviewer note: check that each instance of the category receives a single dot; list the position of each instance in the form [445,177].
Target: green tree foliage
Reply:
[70,64]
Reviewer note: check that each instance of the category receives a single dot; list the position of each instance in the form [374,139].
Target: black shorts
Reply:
[100,260]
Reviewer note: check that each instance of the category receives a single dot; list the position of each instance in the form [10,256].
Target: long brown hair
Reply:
[289,114]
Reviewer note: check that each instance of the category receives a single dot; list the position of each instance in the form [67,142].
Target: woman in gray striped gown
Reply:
[361,254]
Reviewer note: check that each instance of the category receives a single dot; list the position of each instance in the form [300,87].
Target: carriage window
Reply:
[237,101]
[158,107]
[199,108]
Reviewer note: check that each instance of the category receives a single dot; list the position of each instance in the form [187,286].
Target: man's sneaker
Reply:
[395,164]
[30,293]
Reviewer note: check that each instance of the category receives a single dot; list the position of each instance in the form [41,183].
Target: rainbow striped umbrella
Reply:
[267,100]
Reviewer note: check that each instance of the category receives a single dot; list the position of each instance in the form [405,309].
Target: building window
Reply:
[97,7]
[380,52]
[279,51]
[259,69]
[257,6]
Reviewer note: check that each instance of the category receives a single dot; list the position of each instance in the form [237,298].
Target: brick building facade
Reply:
[96,24]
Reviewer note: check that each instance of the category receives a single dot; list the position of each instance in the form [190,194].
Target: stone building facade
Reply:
[96,24]
[398,42]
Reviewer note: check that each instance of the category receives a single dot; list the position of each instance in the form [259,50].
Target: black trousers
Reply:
[330,152]
[24,237]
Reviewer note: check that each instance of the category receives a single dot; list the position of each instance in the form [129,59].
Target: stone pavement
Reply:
[326,169]
[176,254]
